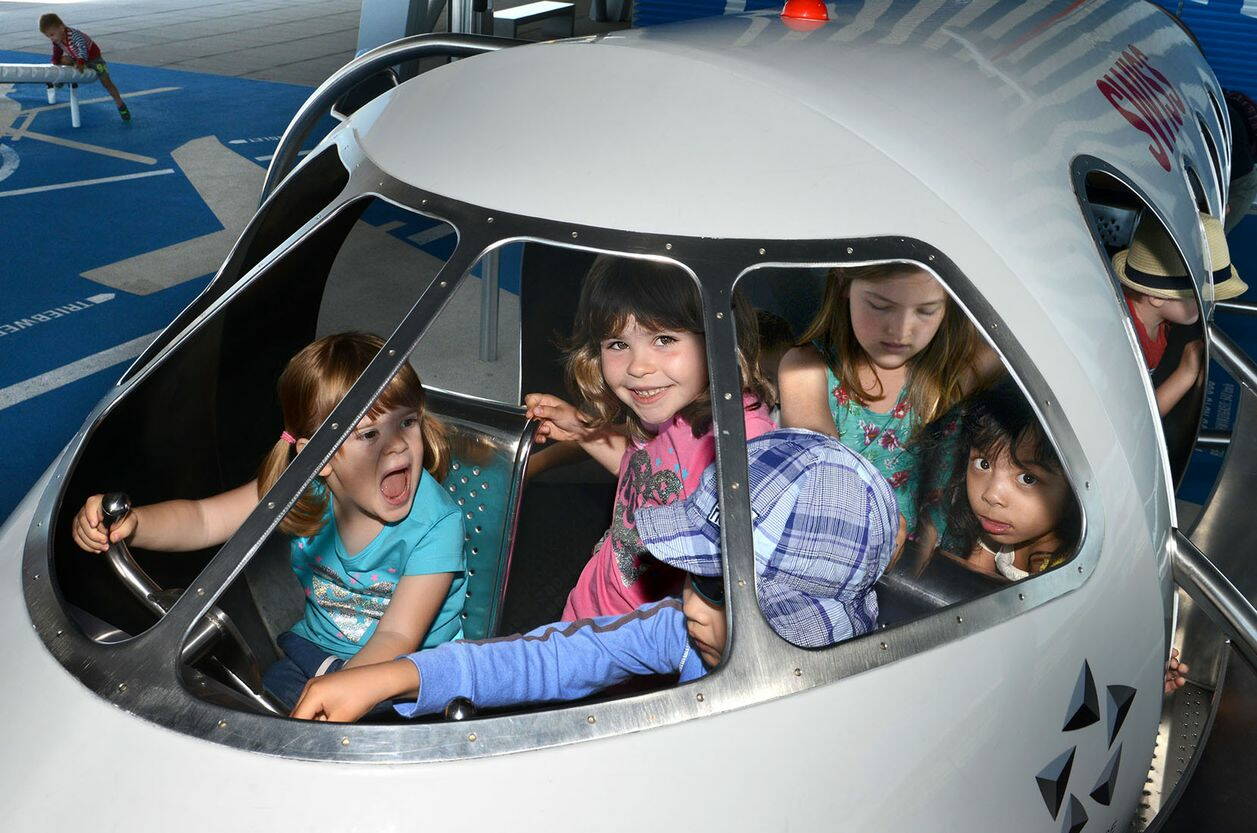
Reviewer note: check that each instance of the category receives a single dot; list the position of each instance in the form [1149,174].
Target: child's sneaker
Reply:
[124,112]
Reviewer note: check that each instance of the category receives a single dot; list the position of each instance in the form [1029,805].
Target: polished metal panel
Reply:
[359,69]
[1209,588]
[1186,721]
[760,666]
[1223,529]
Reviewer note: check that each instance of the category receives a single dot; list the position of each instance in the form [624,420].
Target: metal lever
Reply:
[114,507]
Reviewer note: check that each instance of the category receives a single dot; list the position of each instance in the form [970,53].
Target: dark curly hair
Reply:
[993,421]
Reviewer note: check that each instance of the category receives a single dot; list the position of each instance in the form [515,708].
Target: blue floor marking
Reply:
[51,237]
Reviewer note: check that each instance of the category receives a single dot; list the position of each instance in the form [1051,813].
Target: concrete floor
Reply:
[297,41]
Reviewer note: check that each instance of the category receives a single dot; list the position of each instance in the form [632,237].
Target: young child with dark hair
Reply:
[824,526]
[70,47]
[1011,511]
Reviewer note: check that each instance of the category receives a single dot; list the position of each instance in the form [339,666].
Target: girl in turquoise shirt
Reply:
[377,544]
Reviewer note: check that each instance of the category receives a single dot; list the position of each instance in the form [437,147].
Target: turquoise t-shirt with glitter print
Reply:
[346,595]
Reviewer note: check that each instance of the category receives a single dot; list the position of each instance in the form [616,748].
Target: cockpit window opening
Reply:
[217,388]
[888,344]
[1224,122]
[309,190]
[1199,197]
[1162,307]
[1215,162]
[707,265]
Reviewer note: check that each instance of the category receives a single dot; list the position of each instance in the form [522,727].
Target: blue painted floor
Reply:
[50,316]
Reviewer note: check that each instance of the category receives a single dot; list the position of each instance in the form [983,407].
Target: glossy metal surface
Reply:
[1222,602]
[1002,116]
[359,69]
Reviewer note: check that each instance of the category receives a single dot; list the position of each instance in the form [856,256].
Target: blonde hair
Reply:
[312,383]
[656,295]
[936,375]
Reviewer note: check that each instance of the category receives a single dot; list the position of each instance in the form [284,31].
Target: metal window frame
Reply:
[142,675]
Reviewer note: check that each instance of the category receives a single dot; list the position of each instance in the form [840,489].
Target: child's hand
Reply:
[88,527]
[346,695]
[79,65]
[1193,356]
[560,421]
[1175,670]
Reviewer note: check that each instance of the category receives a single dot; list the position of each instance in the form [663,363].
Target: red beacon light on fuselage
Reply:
[805,15]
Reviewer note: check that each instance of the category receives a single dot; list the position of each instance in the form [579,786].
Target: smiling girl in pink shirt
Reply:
[637,358]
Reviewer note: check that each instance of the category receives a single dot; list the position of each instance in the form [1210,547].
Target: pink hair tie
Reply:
[288,438]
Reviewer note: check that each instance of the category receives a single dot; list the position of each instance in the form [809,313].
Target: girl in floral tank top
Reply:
[881,439]
[888,353]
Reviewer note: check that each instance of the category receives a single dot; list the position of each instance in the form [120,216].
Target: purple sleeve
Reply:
[563,661]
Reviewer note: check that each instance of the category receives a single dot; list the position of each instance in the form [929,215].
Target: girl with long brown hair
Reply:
[889,352]
[637,361]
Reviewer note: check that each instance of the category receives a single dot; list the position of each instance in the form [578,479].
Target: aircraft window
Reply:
[390,254]
[299,198]
[1221,113]
[1198,190]
[1166,337]
[570,495]
[203,420]
[980,491]
[1214,161]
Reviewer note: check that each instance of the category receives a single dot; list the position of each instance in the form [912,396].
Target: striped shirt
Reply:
[77,45]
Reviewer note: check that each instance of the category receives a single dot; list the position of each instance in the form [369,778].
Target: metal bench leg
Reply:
[74,106]
[52,94]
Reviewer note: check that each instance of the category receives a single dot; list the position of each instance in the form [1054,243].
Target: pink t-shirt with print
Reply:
[622,576]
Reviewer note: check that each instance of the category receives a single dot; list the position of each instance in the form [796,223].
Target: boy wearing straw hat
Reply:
[1159,295]
[824,523]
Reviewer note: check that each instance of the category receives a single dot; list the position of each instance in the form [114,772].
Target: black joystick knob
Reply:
[460,708]
[114,507]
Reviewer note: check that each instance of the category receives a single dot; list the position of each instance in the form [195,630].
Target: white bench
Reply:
[559,18]
[50,74]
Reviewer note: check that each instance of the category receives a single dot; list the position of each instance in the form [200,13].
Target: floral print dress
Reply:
[881,439]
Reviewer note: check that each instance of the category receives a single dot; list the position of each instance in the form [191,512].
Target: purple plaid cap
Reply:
[824,524]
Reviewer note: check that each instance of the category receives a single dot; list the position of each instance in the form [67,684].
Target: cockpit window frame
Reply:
[759,665]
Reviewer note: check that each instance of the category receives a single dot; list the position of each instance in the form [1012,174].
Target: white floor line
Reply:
[269,156]
[44,108]
[72,372]
[17,192]
[69,143]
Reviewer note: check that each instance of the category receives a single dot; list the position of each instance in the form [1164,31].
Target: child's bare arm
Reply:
[561,422]
[804,391]
[553,456]
[1178,383]
[170,526]
[406,621]
[348,694]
